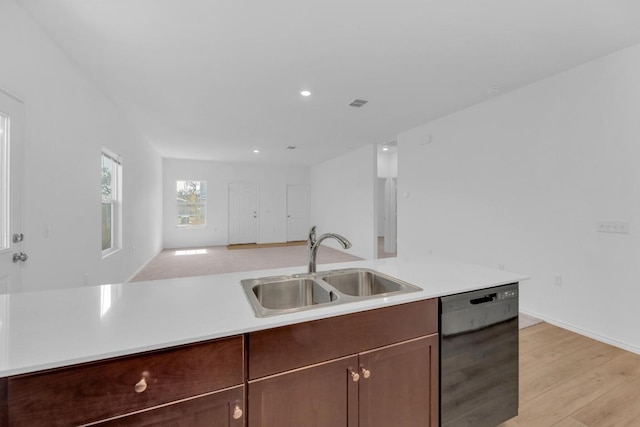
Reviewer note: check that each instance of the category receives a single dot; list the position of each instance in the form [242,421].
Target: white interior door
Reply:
[11,134]
[243,212]
[297,212]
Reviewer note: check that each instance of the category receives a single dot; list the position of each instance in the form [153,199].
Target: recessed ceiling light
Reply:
[256,151]
[305,93]
[385,148]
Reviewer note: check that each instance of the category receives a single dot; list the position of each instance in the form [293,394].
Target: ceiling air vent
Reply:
[291,147]
[358,103]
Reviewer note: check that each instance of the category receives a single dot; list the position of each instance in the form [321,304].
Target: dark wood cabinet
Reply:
[389,381]
[399,384]
[322,395]
[4,413]
[219,409]
[165,381]
[275,350]
[376,368]
[395,386]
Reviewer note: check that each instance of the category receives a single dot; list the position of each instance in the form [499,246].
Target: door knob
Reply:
[17,238]
[20,257]
[237,413]
[141,385]
[365,373]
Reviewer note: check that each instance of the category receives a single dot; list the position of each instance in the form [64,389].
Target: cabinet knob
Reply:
[237,413]
[141,386]
[354,375]
[365,373]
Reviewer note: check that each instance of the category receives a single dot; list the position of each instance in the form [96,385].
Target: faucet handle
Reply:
[312,236]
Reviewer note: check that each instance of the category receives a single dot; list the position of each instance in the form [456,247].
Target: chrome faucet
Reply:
[313,244]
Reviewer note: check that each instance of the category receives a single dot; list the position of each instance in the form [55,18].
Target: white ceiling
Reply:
[214,79]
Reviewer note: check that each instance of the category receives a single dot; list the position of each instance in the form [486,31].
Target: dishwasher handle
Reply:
[484,299]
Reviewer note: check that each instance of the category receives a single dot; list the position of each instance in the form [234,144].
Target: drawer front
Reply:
[95,391]
[290,347]
[219,409]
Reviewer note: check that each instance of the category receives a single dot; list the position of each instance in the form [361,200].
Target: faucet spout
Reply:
[313,244]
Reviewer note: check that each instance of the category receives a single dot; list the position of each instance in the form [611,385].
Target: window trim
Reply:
[5,184]
[115,201]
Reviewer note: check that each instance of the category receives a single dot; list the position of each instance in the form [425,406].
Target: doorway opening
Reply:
[387,183]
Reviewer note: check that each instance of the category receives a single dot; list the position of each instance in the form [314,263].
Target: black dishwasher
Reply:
[479,357]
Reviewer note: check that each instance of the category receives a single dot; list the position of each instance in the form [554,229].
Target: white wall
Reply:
[388,164]
[344,200]
[521,181]
[67,122]
[272,183]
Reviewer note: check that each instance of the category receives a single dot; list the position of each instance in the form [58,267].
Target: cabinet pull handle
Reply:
[237,413]
[354,375]
[365,373]
[141,386]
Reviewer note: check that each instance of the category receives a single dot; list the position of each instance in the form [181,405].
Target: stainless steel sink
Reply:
[361,283]
[271,296]
[277,295]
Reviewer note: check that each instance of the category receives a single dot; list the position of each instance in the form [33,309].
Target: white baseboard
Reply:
[578,330]
[135,273]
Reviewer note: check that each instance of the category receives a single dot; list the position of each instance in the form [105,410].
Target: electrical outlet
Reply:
[557,280]
[619,227]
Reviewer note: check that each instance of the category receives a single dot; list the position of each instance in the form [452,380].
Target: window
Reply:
[191,197]
[4,182]
[111,202]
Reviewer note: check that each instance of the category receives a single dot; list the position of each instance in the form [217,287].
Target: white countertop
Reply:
[49,329]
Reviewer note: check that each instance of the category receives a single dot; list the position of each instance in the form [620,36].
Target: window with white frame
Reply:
[111,201]
[191,199]
[4,182]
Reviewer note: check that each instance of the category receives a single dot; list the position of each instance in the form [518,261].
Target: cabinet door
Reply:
[399,384]
[221,409]
[322,395]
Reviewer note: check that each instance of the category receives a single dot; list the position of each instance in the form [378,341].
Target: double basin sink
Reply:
[270,296]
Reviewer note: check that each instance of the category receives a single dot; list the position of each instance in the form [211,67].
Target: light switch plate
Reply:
[619,227]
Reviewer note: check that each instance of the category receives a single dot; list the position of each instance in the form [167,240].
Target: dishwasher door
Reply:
[479,357]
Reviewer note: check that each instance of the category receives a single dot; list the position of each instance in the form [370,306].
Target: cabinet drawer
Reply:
[99,390]
[219,409]
[289,347]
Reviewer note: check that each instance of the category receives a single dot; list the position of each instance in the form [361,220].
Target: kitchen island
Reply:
[53,329]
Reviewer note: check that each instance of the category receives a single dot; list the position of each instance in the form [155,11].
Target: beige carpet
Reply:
[265,245]
[172,263]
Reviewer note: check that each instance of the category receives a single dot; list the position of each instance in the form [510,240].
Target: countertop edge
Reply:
[402,270]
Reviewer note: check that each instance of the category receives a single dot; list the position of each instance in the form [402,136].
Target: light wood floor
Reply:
[568,380]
